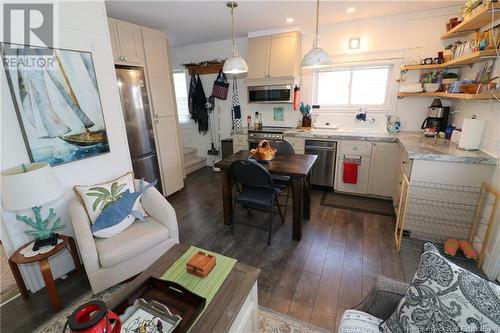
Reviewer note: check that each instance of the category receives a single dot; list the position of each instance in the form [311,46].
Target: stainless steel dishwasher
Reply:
[323,172]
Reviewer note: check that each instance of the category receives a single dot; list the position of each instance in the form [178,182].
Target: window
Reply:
[181,96]
[348,88]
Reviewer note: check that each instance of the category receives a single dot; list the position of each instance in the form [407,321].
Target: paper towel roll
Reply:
[472,132]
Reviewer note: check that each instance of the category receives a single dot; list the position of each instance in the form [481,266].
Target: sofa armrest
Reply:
[84,237]
[161,210]
[383,298]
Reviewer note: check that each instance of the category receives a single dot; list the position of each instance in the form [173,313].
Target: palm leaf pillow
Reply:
[97,197]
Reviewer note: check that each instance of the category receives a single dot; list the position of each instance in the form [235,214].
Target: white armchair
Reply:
[109,261]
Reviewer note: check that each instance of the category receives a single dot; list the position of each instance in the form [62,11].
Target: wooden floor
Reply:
[315,280]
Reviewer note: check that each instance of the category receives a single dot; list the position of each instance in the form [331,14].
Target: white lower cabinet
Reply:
[384,166]
[247,320]
[240,142]
[168,154]
[353,150]
[298,144]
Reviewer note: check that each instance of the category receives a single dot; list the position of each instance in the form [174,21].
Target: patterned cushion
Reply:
[97,197]
[444,297]
[354,321]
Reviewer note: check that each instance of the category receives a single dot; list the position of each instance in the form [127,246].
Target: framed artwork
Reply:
[278,113]
[57,102]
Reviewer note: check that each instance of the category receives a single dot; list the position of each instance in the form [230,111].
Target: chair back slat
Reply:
[284,148]
[251,174]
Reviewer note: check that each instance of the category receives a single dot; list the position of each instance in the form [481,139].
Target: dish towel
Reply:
[350,172]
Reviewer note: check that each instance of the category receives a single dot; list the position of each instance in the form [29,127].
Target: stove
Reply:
[266,133]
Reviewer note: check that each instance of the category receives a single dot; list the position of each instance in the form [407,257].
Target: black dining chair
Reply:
[283,148]
[256,190]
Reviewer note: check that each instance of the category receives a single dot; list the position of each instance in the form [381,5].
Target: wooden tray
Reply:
[201,264]
[178,299]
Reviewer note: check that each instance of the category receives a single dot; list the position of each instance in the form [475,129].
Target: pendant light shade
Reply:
[234,64]
[316,57]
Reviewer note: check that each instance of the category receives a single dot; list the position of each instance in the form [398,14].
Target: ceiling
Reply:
[194,22]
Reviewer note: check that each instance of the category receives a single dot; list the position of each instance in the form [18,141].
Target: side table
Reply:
[17,258]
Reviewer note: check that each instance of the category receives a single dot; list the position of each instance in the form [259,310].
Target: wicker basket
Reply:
[263,152]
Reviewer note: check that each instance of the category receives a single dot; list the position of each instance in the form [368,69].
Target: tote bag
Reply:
[221,87]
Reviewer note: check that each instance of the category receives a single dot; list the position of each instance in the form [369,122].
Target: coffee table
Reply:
[234,307]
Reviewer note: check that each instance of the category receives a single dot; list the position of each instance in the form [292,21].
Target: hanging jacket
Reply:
[201,117]
[192,97]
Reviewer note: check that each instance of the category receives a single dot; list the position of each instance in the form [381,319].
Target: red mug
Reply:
[94,317]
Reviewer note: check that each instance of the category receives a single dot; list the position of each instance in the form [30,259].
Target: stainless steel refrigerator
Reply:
[136,112]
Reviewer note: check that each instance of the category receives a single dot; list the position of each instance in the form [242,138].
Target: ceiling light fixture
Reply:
[351,10]
[289,20]
[354,43]
[316,57]
[235,64]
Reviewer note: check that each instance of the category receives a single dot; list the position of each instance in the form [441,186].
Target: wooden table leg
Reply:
[50,284]
[74,254]
[297,184]
[227,196]
[307,197]
[19,278]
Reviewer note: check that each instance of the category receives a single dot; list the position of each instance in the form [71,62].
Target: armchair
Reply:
[376,307]
[109,261]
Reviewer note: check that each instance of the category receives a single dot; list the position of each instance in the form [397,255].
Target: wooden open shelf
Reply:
[447,95]
[458,62]
[204,69]
[479,19]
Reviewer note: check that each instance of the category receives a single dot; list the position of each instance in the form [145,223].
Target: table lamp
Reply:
[31,186]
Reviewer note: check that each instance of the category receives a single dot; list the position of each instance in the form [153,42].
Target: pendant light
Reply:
[317,57]
[235,64]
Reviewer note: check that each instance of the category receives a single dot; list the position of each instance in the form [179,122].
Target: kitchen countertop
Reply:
[415,144]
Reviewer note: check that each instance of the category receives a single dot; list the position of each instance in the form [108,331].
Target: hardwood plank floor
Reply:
[316,279]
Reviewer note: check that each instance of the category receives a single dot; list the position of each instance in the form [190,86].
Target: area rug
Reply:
[269,321]
[360,204]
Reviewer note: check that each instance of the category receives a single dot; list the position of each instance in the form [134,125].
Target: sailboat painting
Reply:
[58,105]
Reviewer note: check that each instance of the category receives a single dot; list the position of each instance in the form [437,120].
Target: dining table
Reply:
[298,167]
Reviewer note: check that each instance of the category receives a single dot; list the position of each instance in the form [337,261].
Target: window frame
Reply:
[189,123]
[390,95]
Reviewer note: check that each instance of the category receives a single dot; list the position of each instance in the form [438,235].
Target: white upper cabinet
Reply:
[258,57]
[126,41]
[284,55]
[274,56]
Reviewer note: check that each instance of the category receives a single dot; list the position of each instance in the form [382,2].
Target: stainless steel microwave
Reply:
[275,94]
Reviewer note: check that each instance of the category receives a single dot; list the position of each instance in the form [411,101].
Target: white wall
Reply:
[82,26]
[406,35]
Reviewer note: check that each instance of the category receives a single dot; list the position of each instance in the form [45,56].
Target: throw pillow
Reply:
[120,214]
[444,297]
[97,197]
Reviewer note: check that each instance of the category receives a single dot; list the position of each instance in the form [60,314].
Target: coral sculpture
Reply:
[42,229]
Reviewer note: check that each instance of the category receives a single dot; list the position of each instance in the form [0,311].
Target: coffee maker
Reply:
[437,116]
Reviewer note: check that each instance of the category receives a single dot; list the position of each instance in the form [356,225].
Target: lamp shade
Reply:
[36,186]
[316,58]
[235,65]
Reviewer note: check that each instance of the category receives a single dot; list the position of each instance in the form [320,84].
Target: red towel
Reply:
[350,173]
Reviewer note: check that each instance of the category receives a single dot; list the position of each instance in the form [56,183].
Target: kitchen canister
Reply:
[472,133]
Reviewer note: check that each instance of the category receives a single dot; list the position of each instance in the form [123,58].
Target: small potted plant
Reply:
[305,109]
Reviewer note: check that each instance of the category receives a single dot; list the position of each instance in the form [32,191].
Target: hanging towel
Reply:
[350,175]
[236,109]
